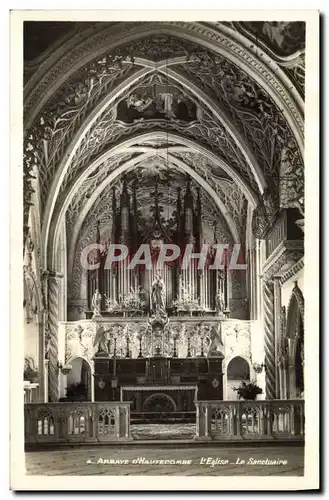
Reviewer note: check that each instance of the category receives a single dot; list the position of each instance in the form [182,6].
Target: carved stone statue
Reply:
[102,341]
[216,345]
[220,302]
[96,303]
[158,297]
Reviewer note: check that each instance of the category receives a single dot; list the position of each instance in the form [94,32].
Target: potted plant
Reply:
[77,391]
[31,373]
[248,390]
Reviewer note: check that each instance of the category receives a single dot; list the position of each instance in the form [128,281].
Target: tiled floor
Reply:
[135,460]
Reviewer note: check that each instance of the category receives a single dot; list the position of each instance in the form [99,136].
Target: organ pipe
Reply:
[116,283]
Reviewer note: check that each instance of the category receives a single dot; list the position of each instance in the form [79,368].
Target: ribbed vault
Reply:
[246,118]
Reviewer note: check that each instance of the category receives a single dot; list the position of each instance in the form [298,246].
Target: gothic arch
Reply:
[235,357]
[295,320]
[296,294]
[219,39]
[88,361]
[181,165]
[79,137]
[85,374]
[292,361]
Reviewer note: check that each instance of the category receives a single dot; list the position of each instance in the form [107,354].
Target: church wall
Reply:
[245,297]
[31,340]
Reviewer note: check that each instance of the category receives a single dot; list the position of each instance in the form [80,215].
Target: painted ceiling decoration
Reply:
[218,103]
[284,41]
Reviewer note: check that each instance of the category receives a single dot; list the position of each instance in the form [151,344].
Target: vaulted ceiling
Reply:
[243,117]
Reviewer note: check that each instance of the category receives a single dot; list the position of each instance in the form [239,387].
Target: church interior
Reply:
[145,134]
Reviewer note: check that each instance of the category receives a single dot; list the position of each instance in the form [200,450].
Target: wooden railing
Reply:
[252,420]
[277,234]
[79,422]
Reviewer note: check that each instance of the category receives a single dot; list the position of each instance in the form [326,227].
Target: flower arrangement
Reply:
[132,302]
[187,302]
[111,305]
[248,390]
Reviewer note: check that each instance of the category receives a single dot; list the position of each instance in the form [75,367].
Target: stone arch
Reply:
[131,143]
[245,367]
[180,164]
[84,358]
[292,359]
[229,383]
[81,371]
[80,135]
[219,39]
[296,294]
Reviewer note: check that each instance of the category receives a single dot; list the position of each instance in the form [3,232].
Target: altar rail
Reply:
[86,422]
[78,422]
[250,420]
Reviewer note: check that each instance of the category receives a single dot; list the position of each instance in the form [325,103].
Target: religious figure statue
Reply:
[96,303]
[158,296]
[219,302]
[102,340]
[216,345]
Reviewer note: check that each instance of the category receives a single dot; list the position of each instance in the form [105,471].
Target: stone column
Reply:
[53,310]
[283,364]
[269,339]
[41,356]
[45,380]
[277,330]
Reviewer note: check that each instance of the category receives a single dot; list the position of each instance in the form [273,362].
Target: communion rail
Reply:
[78,422]
[252,420]
[86,422]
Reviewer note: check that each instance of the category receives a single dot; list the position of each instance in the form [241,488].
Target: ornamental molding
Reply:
[293,64]
[207,131]
[191,387]
[293,271]
[200,337]
[287,253]
[213,38]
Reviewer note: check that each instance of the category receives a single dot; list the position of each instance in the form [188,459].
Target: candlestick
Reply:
[174,353]
[140,355]
[127,348]
[188,347]
[202,353]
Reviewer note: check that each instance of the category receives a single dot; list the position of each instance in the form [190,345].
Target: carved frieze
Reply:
[185,337]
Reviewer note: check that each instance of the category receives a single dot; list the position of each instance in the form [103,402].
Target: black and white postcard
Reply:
[164,215]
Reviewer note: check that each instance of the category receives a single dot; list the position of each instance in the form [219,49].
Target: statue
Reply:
[220,302]
[96,303]
[102,340]
[158,297]
[216,345]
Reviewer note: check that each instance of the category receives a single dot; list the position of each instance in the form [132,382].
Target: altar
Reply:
[160,398]
[154,333]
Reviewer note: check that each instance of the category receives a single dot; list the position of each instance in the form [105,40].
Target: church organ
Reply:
[124,289]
